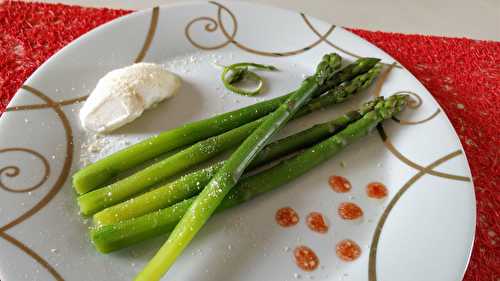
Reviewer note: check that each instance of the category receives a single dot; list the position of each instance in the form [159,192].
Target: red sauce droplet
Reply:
[348,250]
[339,184]
[376,190]
[350,211]
[305,258]
[316,222]
[287,217]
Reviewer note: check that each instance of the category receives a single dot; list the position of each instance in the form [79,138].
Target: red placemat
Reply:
[462,74]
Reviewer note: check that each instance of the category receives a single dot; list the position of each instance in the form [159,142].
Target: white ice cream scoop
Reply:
[122,95]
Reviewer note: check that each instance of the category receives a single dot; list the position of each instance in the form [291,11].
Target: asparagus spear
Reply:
[191,184]
[119,191]
[101,172]
[123,234]
[227,176]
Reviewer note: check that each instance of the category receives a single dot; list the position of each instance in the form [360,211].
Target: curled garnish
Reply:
[238,72]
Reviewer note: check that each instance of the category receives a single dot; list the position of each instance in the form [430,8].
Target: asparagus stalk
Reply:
[116,236]
[227,176]
[97,200]
[103,171]
[191,184]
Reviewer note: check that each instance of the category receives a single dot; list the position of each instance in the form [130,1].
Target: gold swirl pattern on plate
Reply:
[422,171]
[14,171]
[414,103]
[372,260]
[388,144]
[212,25]
[44,105]
[66,164]
[155,15]
[23,247]
[61,179]
[324,38]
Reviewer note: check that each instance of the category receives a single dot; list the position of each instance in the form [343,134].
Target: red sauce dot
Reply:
[339,184]
[350,211]
[348,250]
[287,217]
[316,222]
[305,258]
[376,190]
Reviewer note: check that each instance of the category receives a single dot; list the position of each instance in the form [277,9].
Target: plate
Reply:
[423,230]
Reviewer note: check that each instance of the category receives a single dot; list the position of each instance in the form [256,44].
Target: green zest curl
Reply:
[238,72]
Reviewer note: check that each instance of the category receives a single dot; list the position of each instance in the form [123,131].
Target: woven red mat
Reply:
[462,74]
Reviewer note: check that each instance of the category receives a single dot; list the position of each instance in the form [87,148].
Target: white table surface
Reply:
[477,19]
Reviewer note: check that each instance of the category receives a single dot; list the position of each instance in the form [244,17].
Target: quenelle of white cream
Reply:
[122,95]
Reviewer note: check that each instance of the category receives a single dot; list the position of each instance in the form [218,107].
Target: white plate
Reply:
[426,225]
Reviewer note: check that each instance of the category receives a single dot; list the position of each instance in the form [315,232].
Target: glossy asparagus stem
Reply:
[191,184]
[123,234]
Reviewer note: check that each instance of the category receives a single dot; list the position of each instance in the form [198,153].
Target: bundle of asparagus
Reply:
[130,225]
[191,184]
[123,217]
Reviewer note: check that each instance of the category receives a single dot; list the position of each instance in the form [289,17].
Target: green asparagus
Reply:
[228,175]
[124,189]
[191,184]
[123,234]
